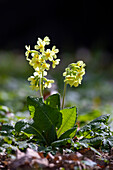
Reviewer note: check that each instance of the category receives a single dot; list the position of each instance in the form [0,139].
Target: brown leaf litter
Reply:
[80,160]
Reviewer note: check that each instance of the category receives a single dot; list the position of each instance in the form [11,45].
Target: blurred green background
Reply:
[92,98]
[81,30]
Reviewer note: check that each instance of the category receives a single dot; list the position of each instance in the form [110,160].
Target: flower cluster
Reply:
[38,59]
[74,73]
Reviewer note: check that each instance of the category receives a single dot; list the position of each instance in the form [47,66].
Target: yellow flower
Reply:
[34,83]
[48,83]
[74,73]
[55,51]
[45,66]
[41,45]
[27,52]
[81,63]
[47,40]
[35,62]
[48,55]
[32,79]
[55,62]
[70,80]
[39,73]
[76,84]
[40,60]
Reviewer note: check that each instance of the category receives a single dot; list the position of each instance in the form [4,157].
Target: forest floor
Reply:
[81,160]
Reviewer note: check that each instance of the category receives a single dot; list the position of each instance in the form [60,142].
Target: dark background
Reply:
[69,24]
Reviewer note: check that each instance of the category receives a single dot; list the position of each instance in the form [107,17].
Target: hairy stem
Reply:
[65,85]
[41,86]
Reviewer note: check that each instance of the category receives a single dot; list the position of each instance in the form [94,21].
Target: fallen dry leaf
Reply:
[28,160]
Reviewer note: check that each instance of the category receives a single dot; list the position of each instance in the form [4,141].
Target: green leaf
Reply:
[6,129]
[33,146]
[110,141]
[96,141]
[69,116]
[20,124]
[69,133]
[62,142]
[9,146]
[22,144]
[53,101]
[32,110]
[29,128]
[103,118]
[96,133]
[97,127]
[45,120]
[45,116]
[8,140]
[107,144]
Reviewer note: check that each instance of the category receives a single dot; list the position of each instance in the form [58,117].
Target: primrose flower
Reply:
[35,62]
[55,51]
[41,59]
[41,45]
[45,66]
[34,83]
[48,55]
[27,52]
[55,62]
[48,83]
[39,73]
[47,40]
[74,73]
[70,80]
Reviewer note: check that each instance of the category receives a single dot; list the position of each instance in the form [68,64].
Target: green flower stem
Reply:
[65,85]
[40,89]
[41,86]
[42,82]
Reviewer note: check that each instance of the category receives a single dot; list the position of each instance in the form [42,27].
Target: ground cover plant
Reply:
[51,129]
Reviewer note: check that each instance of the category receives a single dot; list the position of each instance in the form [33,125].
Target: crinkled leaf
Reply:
[22,144]
[96,141]
[110,140]
[9,146]
[20,124]
[97,127]
[6,129]
[33,146]
[69,116]
[107,144]
[103,118]
[97,133]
